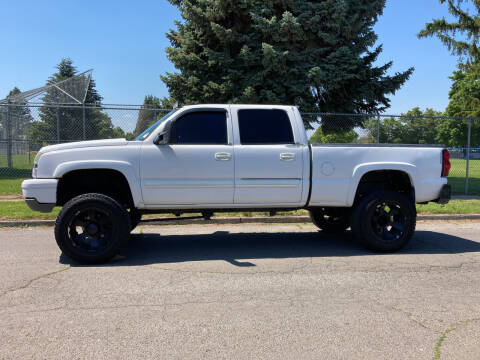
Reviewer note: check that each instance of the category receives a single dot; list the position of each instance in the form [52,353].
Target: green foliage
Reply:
[130,136]
[148,114]
[20,117]
[464,102]
[460,37]
[414,128]
[319,55]
[98,124]
[348,136]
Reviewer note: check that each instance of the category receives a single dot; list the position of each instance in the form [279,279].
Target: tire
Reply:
[331,220]
[384,221]
[135,218]
[91,228]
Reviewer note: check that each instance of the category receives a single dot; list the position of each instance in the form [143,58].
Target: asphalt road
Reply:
[243,292]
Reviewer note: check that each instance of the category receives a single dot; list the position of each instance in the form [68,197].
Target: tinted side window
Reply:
[204,127]
[264,127]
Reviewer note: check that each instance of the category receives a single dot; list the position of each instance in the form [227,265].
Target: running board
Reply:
[205,216]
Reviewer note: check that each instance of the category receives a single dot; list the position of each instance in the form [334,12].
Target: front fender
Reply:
[123,167]
[360,170]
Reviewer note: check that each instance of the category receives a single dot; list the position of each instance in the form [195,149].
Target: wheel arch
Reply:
[362,172]
[120,174]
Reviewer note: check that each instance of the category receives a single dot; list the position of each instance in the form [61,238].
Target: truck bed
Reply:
[338,168]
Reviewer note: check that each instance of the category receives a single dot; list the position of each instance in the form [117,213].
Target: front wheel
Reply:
[384,221]
[91,228]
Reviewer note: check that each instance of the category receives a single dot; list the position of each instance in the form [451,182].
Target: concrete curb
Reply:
[235,220]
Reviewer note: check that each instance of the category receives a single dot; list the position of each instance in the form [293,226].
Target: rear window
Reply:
[263,126]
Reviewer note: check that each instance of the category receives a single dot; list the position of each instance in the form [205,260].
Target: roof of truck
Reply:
[241,106]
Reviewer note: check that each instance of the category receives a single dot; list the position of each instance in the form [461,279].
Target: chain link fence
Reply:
[25,128]
[461,136]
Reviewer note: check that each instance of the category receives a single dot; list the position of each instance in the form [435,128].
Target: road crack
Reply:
[410,316]
[30,282]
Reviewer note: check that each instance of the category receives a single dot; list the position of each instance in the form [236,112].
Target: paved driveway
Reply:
[244,292]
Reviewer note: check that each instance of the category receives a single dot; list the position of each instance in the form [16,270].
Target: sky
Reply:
[124,42]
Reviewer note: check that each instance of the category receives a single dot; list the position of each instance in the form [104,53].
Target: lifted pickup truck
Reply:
[214,158]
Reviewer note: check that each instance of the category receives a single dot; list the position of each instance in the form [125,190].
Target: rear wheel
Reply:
[91,228]
[384,221]
[331,220]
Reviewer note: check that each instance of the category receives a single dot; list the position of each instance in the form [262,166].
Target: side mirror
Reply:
[161,139]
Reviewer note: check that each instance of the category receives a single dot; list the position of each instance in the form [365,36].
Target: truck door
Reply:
[269,165]
[196,167]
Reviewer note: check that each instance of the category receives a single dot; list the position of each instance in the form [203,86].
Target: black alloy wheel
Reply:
[384,221]
[389,221]
[91,228]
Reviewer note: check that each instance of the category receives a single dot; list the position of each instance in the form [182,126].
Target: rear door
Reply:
[268,161]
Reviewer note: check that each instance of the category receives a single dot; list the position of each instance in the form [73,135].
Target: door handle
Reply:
[223,156]
[287,156]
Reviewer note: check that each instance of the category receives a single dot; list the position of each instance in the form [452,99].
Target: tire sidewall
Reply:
[363,217]
[120,231]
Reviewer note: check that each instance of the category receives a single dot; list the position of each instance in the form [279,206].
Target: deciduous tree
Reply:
[149,113]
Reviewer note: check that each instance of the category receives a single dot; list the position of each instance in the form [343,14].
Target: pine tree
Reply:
[66,123]
[462,39]
[318,55]
[462,36]
[20,118]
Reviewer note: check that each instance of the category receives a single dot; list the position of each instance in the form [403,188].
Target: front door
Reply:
[196,167]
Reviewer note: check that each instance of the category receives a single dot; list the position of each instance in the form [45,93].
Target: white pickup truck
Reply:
[214,158]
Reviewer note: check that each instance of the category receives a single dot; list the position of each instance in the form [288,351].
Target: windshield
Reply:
[147,132]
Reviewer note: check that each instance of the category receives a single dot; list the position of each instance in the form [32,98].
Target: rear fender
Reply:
[360,170]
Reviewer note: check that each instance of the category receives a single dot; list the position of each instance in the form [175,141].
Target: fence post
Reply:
[468,154]
[9,136]
[58,125]
[28,143]
[378,129]
[83,122]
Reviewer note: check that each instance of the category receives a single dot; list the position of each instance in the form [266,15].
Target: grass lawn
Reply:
[453,207]
[9,186]
[11,178]
[19,162]
[458,173]
[18,210]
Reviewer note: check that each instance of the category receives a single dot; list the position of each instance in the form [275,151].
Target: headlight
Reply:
[35,164]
